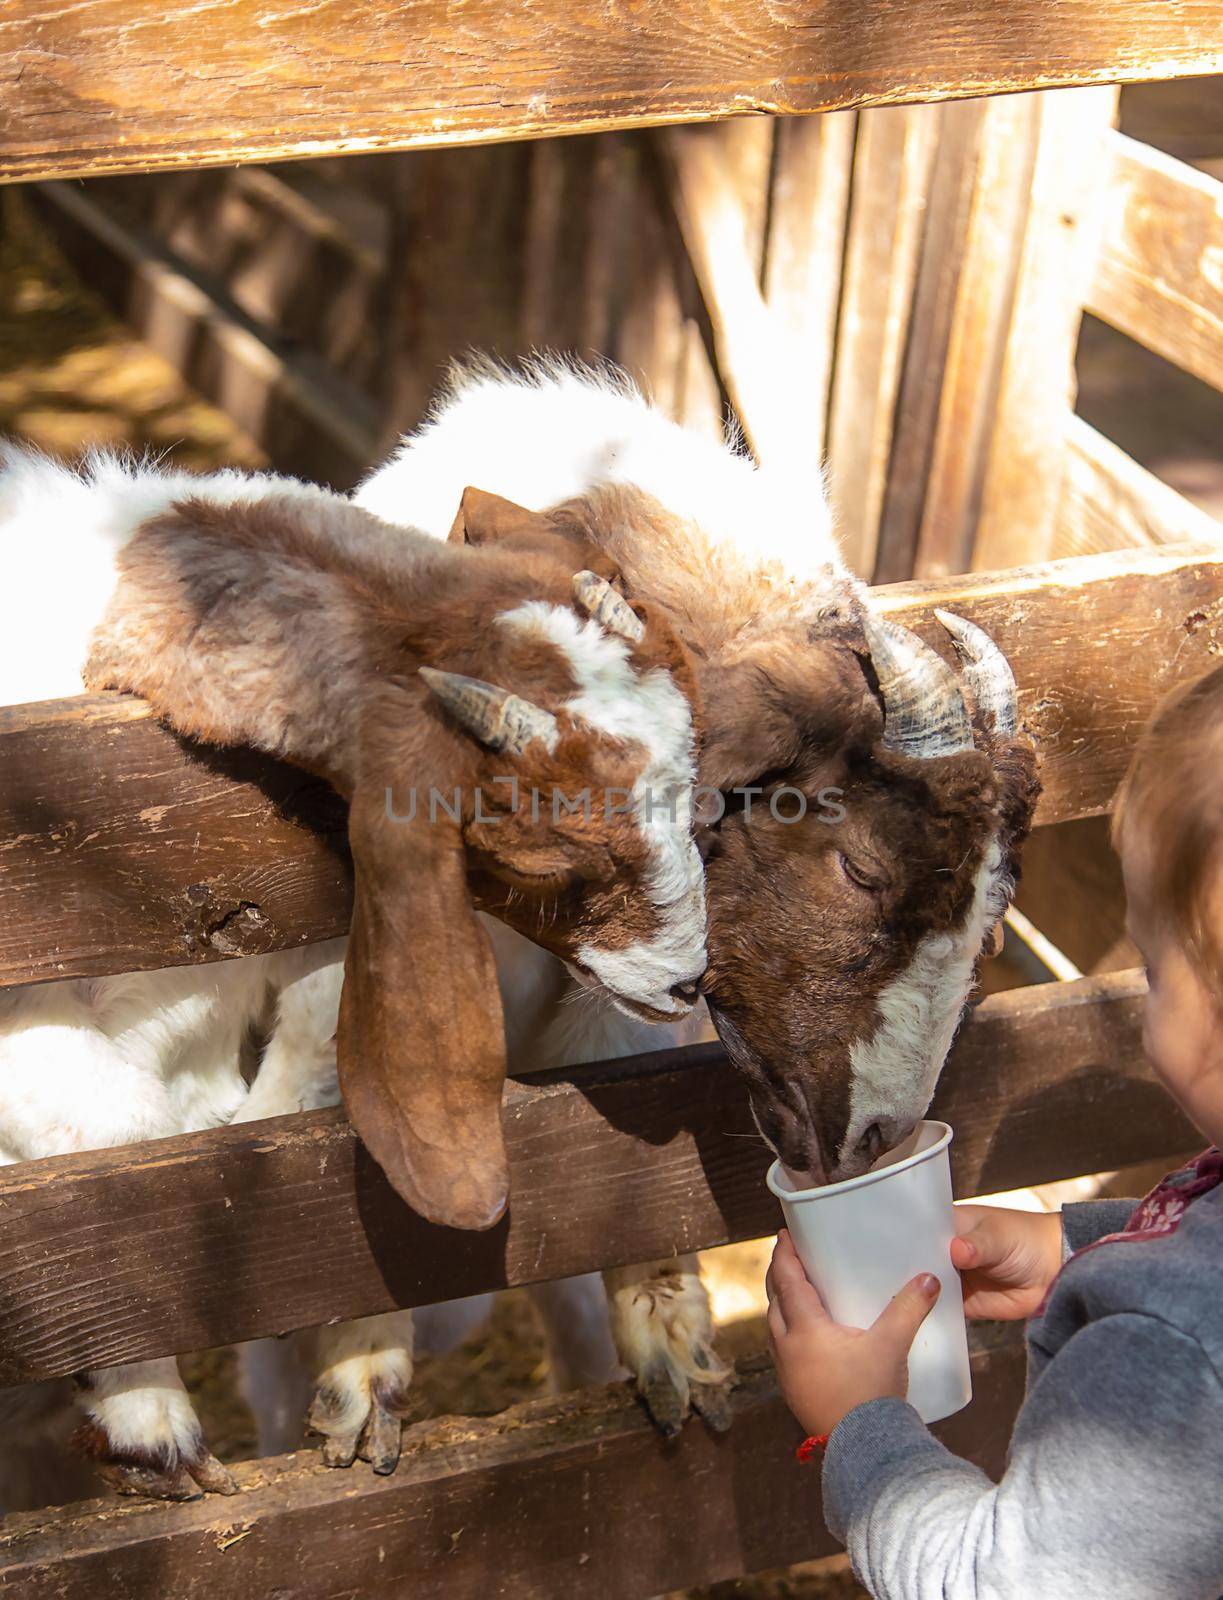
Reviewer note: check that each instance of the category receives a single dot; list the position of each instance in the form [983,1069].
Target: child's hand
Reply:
[825,1369]
[1007,1259]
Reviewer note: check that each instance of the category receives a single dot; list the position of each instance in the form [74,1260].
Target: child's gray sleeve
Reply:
[1114,1486]
[1088,1220]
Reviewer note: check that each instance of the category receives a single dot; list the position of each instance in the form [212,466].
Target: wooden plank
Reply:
[214,1237]
[944,268]
[1110,502]
[610,241]
[1072,889]
[1051,239]
[282,243]
[891,174]
[651,337]
[124,848]
[765,385]
[576,1496]
[457,269]
[808,212]
[306,419]
[579,233]
[1160,272]
[1185,119]
[142,86]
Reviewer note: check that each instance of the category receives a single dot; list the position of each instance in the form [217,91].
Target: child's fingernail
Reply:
[928,1284]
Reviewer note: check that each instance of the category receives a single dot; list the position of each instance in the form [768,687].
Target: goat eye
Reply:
[860,875]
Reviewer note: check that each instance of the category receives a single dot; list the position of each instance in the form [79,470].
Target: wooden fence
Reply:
[924,268]
[240,1232]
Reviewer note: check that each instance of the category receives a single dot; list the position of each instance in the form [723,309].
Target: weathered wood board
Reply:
[237,1232]
[1110,502]
[125,849]
[1158,277]
[125,85]
[576,1497]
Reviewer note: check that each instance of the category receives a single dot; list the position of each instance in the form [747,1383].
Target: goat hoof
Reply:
[330,1416]
[183,1470]
[150,1483]
[211,1476]
[340,1449]
[664,1333]
[361,1401]
[670,1393]
[711,1402]
[665,1401]
[380,1440]
[375,1441]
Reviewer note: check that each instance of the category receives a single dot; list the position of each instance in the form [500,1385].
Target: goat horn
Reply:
[987,673]
[924,710]
[498,719]
[610,610]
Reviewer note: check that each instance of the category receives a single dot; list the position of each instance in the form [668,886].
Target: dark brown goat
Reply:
[843,942]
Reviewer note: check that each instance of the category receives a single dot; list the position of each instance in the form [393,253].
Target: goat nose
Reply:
[689,993]
[873,1142]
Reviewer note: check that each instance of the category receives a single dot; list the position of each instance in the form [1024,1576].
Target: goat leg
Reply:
[364,1390]
[142,1435]
[663,1330]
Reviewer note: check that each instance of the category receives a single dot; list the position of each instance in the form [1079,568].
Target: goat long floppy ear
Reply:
[421,1047]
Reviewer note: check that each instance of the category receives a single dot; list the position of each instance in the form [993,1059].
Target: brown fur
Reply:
[485,518]
[297,625]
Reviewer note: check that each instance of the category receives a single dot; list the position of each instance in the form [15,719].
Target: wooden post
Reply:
[808,211]
[1056,257]
[892,164]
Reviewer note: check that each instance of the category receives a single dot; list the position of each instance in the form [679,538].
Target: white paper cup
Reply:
[862,1240]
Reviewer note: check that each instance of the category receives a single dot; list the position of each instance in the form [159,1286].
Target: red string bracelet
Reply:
[805,1451]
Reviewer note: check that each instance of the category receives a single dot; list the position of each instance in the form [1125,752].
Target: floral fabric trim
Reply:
[1161,1211]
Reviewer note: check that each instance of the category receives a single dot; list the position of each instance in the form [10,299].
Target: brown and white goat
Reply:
[307,629]
[257,609]
[842,945]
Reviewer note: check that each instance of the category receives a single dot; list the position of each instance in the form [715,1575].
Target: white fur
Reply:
[145,1407]
[645,709]
[895,1070]
[60,533]
[555,431]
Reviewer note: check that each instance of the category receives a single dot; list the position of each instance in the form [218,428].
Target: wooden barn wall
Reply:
[896,291]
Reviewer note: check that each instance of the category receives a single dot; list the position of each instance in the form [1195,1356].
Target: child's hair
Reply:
[1173,791]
